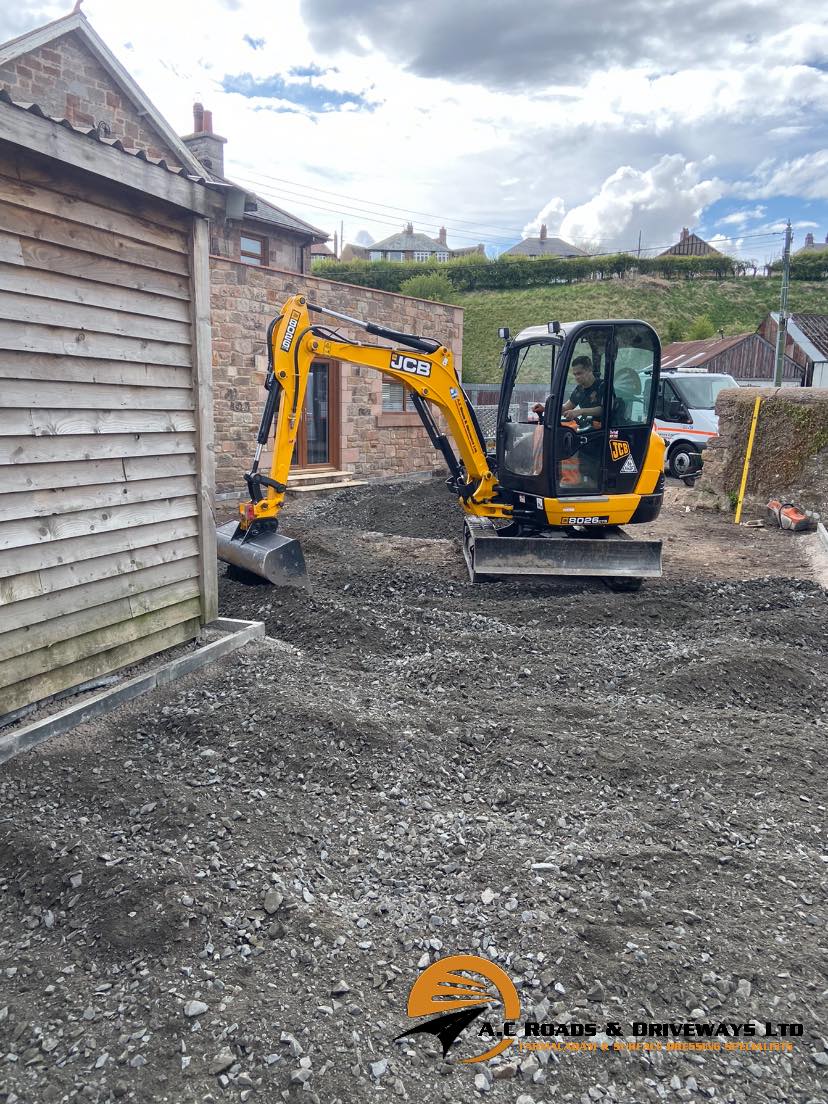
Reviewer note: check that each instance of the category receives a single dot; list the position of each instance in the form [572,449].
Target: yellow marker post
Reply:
[748,453]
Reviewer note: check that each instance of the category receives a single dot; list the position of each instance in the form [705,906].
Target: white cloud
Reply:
[657,202]
[739,218]
[477,121]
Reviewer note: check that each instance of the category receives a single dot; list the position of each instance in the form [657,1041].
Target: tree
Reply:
[430,285]
[674,331]
[700,328]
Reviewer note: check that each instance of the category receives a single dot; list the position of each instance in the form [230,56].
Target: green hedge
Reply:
[808,266]
[481,274]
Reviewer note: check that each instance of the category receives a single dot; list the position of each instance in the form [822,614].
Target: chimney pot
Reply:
[543,232]
[208,122]
[685,234]
[441,237]
[198,118]
[409,228]
[809,239]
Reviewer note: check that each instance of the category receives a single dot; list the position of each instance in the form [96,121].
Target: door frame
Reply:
[334,423]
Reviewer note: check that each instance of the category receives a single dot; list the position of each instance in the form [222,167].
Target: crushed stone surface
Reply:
[224,891]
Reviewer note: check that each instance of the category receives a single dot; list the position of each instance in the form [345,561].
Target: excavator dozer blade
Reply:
[263,552]
[604,553]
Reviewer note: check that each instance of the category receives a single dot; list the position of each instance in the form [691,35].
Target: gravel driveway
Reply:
[225,890]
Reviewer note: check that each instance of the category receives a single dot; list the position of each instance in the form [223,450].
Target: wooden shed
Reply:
[107,546]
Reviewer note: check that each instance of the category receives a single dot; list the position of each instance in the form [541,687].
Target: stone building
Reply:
[409,245]
[690,245]
[544,246]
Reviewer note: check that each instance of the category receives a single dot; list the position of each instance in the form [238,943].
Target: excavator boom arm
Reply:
[424,366]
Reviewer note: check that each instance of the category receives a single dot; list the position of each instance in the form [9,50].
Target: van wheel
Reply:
[683,460]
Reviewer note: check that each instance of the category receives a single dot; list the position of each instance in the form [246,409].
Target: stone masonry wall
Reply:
[790,450]
[67,81]
[244,300]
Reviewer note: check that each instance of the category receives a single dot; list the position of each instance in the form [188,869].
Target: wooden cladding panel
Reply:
[33,224]
[53,681]
[18,365]
[68,289]
[41,255]
[84,423]
[102,556]
[50,608]
[42,450]
[72,208]
[101,488]
[32,532]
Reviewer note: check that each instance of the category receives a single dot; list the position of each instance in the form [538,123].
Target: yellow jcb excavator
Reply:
[563,476]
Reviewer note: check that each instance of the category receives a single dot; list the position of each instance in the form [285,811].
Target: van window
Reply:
[700,392]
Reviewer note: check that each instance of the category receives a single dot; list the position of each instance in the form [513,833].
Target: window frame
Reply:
[407,406]
[252,259]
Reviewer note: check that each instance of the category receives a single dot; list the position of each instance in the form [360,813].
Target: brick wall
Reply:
[66,81]
[244,299]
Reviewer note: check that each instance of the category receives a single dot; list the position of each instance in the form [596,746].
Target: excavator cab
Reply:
[576,456]
[595,384]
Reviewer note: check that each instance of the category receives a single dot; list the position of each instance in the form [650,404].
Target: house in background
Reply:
[409,245]
[811,246]
[544,246]
[690,245]
[253,230]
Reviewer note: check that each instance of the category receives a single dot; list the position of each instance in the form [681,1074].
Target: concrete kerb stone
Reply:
[238,634]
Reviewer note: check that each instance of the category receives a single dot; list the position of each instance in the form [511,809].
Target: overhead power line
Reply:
[362,209]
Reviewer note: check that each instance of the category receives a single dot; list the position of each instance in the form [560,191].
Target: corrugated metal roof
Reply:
[97,134]
[815,328]
[691,354]
[545,247]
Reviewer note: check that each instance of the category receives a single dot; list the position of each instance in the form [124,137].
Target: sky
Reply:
[613,123]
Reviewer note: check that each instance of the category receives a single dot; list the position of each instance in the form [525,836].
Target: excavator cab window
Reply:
[523,428]
[581,433]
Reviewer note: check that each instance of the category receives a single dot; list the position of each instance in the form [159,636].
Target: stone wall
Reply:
[790,450]
[374,444]
[68,82]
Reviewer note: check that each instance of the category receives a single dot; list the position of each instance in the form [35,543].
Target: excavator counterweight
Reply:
[576,456]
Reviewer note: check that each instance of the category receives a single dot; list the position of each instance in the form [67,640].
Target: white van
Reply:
[685,416]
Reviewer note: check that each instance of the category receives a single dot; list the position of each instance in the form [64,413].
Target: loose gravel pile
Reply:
[225,890]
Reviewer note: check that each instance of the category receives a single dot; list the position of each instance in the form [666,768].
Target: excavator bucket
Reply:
[264,552]
[607,553]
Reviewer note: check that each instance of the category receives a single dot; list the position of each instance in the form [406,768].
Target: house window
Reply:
[253,250]
[375,255]
[420,255]
[396,255]
[442,256]
[395,397]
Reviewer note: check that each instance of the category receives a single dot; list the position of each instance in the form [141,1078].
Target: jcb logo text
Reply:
[410,364]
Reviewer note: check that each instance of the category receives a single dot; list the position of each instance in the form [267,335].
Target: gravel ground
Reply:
[225,890]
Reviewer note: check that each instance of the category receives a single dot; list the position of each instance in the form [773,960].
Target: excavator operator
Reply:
[587,397]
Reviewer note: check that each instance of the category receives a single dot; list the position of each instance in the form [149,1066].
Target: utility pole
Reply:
[639,244]
[782,328]
[341,237]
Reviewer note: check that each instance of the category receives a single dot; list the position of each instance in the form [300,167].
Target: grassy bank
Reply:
[735,306]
